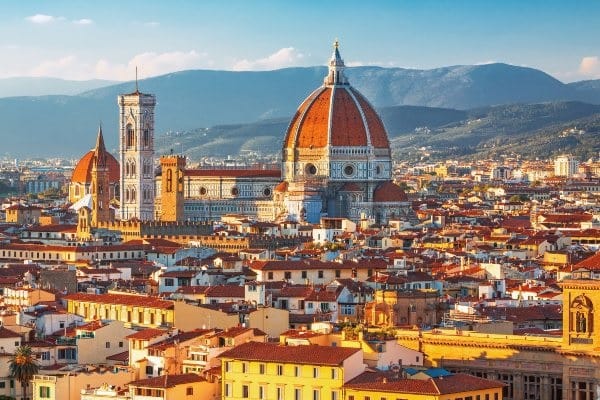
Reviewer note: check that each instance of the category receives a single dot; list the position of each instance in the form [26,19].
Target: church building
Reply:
[336,162]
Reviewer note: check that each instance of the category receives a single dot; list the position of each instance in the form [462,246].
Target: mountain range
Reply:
[259,104]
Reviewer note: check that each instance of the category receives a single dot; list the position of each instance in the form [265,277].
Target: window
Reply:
[169,281]
[261,369]
[244,367]
[287,275]
[315,372]
[338,273]
[262,392]
[310,306]
[227,366]
[280,370]
[304,274]
[279,393]
[45,355]
[297,394]
[245,391]
[334,395]
[67,354]
[120,344]
[45,392]
[189,391]
[270,275]
[107,345]
[296,371]
[2,385]
[334,373]
[320,274]
[227,390]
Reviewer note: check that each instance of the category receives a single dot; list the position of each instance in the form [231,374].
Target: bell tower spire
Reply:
[336,68]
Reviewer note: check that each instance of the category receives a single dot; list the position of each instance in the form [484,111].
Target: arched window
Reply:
[169,187]
[146,137]
[581,313]
[130,136]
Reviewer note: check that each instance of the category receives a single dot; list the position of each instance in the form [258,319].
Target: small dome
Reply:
[389,192]
[281,187]
[83,170]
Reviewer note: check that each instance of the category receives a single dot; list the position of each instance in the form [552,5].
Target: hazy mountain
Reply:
[25,86]
[531,130]
[188,100]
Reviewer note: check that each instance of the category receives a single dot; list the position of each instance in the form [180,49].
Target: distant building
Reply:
[565,165]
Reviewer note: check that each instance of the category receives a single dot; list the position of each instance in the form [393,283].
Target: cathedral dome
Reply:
[336,115]
[83,170]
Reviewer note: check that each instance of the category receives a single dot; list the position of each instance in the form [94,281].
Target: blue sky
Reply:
[107,39]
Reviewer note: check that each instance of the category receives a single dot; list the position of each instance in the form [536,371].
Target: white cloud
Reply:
[66,66]
[83,21]
[43,19]
[152,24]
[285,57]
[590,67]
[150,64]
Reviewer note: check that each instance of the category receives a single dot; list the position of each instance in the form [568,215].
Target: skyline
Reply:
[55,39]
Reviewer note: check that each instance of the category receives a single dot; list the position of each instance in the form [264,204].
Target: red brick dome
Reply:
[389,192]
[336,115]
[83,170]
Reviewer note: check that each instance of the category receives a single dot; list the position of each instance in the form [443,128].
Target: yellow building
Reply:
[17,298]
[532,367]
[21,214]
[448,387]
[268,371]
[133,310]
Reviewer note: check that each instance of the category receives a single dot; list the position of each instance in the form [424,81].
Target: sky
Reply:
[107,39]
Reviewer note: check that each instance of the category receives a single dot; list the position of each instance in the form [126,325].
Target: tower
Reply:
[171,188]
[136,155]
[100,183]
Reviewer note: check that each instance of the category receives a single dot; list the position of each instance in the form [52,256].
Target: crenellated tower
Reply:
[171,188]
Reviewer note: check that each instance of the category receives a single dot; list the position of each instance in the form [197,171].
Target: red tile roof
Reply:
[267,352]
[83,170]
[168,381]
[389,192]
[348,120]
[443,385]
[123,299]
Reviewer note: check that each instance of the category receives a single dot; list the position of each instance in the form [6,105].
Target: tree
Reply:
[23,366]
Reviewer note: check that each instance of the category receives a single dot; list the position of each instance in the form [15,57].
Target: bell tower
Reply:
[136,155]
[171,188]
[100,190]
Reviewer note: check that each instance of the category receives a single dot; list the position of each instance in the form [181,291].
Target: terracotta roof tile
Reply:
[267,352]
[83,170]
[168,381]
[389,192]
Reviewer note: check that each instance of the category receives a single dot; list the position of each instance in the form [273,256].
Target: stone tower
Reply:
[171,188]
[581,298]
[136,155]
[100,183]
